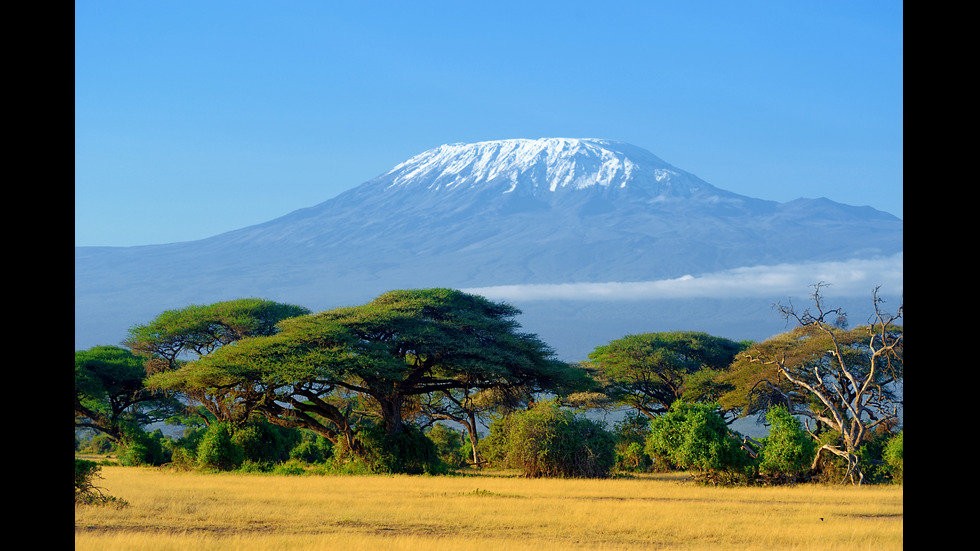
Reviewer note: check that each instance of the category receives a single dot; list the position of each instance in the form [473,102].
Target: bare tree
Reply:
[843,380]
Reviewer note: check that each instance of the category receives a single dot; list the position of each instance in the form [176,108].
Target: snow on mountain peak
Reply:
[550,164]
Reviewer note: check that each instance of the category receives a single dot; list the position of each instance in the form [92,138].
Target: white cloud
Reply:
[845,278]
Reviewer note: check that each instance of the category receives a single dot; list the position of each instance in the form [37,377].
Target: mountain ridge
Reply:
[505,212]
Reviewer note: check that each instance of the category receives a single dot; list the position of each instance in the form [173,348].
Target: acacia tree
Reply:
[472,406]
[110,395]
[841,379]
[468,407]
[181,335]
[651,371]
[321,370]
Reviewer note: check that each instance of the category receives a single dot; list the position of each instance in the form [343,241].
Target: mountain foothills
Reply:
[508,212]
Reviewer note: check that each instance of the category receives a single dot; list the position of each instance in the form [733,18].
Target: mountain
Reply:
[508,212]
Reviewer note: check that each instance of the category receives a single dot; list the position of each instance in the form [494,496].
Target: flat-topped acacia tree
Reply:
[180,335]
[650,371]
[318,369]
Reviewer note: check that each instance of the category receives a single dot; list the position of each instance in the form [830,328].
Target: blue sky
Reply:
[195,118]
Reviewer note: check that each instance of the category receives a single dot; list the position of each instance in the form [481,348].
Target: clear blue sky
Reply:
[195,118]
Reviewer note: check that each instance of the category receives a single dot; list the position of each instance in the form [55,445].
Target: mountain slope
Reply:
[467,215]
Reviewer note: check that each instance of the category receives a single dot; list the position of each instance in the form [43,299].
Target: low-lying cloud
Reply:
[852,278]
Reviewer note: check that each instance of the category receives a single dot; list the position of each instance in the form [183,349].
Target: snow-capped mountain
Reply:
[507,212]
[539,167]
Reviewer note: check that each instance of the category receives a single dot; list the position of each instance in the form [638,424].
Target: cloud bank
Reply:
[852,278]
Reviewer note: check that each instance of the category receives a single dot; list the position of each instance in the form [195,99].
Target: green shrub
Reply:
[871,460]
[894,456]
[312,448]
[218,450]
[547,441]
[141,448]
[263,442]
[493,447]
[410,452]
[182,458]
[250,466]
[631,433]
[879,459]
[290,467]
[694,436]
[450,444]
[788,450]
[99,443]
[86,492]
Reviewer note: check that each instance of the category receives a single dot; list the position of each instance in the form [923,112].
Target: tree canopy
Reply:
[198,330]
[651,371]
[843,380]
[334,370]
[180,335]
[110,393]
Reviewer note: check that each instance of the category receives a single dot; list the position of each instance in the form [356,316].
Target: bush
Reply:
[631,434]
[86,492]
[452,447]
[98,443]
[290,467]
[263,442]
[694,436]
[788,451]
[141,448]
[410,452]
[894,456]
[312,448]
[879,458]
[547,441]
[218,450]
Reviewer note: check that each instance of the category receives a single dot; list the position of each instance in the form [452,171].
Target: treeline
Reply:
[264,386]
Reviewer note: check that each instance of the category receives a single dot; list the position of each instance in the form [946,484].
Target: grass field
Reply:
[202,512]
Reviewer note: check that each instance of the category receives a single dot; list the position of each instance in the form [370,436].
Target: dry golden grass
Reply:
[203,512]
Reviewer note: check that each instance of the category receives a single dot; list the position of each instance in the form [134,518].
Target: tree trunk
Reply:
[474,437]
[391,413]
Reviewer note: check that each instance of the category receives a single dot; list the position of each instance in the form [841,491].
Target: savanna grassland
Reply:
[169,510]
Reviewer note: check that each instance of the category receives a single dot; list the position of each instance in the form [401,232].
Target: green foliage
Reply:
[450,444]
[695,437]
[651,371]
[218,450]
[86,492]
[183,451]
[110,392]
[178,336]
[880,457]
[894,457]
[98,443]
[409,452]
[201,329]
[631,434]
[103,372]
[548,441]
[384,354]
[85,474]
[142,449]
[788,450]
[263,442]
[290,467]
[312,448]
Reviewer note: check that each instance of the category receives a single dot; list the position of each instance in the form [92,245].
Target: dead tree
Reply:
[838,378]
